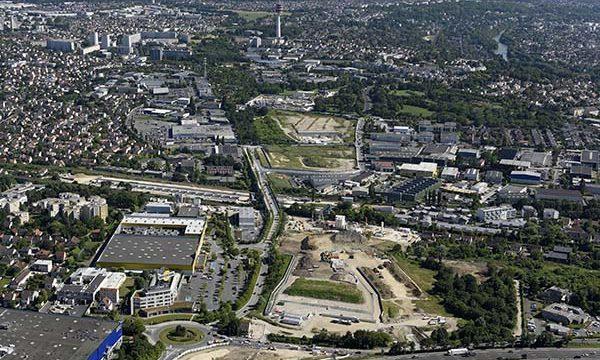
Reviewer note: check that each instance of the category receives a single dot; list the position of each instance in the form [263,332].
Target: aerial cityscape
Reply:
[299,179]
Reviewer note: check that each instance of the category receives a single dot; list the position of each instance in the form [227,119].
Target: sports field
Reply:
[324,289]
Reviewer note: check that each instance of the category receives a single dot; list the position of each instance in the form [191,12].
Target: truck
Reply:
[459,351]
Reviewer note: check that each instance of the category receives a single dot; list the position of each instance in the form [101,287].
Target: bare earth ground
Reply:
[292,123]
[238,353]
[477,269]
[363,255]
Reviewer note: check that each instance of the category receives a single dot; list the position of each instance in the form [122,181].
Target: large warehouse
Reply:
[154,241]
[34,335]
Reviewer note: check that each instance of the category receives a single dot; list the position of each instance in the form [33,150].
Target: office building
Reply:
[471,174]
[131,39]
[590,158]
[90,49]
[60,45]
[255,42]
[158,207]
[93,39]
[559,195]
[423,169]
[156,54]
[449,173]
[565,314]
[162,292]
[525,177]
[493,213]
[105,41]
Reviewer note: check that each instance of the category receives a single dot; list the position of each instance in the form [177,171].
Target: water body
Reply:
[502,49]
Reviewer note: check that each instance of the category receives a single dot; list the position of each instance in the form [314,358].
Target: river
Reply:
[502,49]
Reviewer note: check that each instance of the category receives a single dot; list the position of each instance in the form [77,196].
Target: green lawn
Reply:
[127,286]
[432,305]
[269,132]
[262,158]
[415,110]
[390,309]
[407,93]
[168,317]
[279,182]
[274,276]
[425,278]
[193,335]
[324,289]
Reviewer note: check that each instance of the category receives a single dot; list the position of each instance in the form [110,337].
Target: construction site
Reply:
[343,280]
[314,128]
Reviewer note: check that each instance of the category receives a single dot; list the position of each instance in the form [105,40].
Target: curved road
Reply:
[273,208]
[153,334]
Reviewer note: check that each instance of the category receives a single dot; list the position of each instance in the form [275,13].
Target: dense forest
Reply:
[489,308]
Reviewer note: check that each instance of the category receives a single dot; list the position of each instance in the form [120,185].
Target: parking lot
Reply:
[220,282]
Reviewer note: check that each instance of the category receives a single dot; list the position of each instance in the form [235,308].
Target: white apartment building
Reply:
[493,213]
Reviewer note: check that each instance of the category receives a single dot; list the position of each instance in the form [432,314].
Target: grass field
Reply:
[269,132]
[302,157]
[407,93]
[425,278]
[192,336]
[432,305]
[279,182]
[415,110]
[421,276]
[273,278]
[324,289]
[127,286]
[262,158]
[390,309]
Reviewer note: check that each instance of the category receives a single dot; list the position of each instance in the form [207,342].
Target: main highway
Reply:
[509,354]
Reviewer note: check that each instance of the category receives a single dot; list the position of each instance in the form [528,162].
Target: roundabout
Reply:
[180,335]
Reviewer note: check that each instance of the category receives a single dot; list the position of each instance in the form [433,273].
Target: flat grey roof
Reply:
[51,337]
[150,250]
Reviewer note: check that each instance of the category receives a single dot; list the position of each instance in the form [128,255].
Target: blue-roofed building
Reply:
[525,177]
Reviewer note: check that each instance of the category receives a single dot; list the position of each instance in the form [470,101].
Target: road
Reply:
[343,174]
[153,334]
[273,208]
[358,143]
[279,286]
[494,354]
[169,188]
